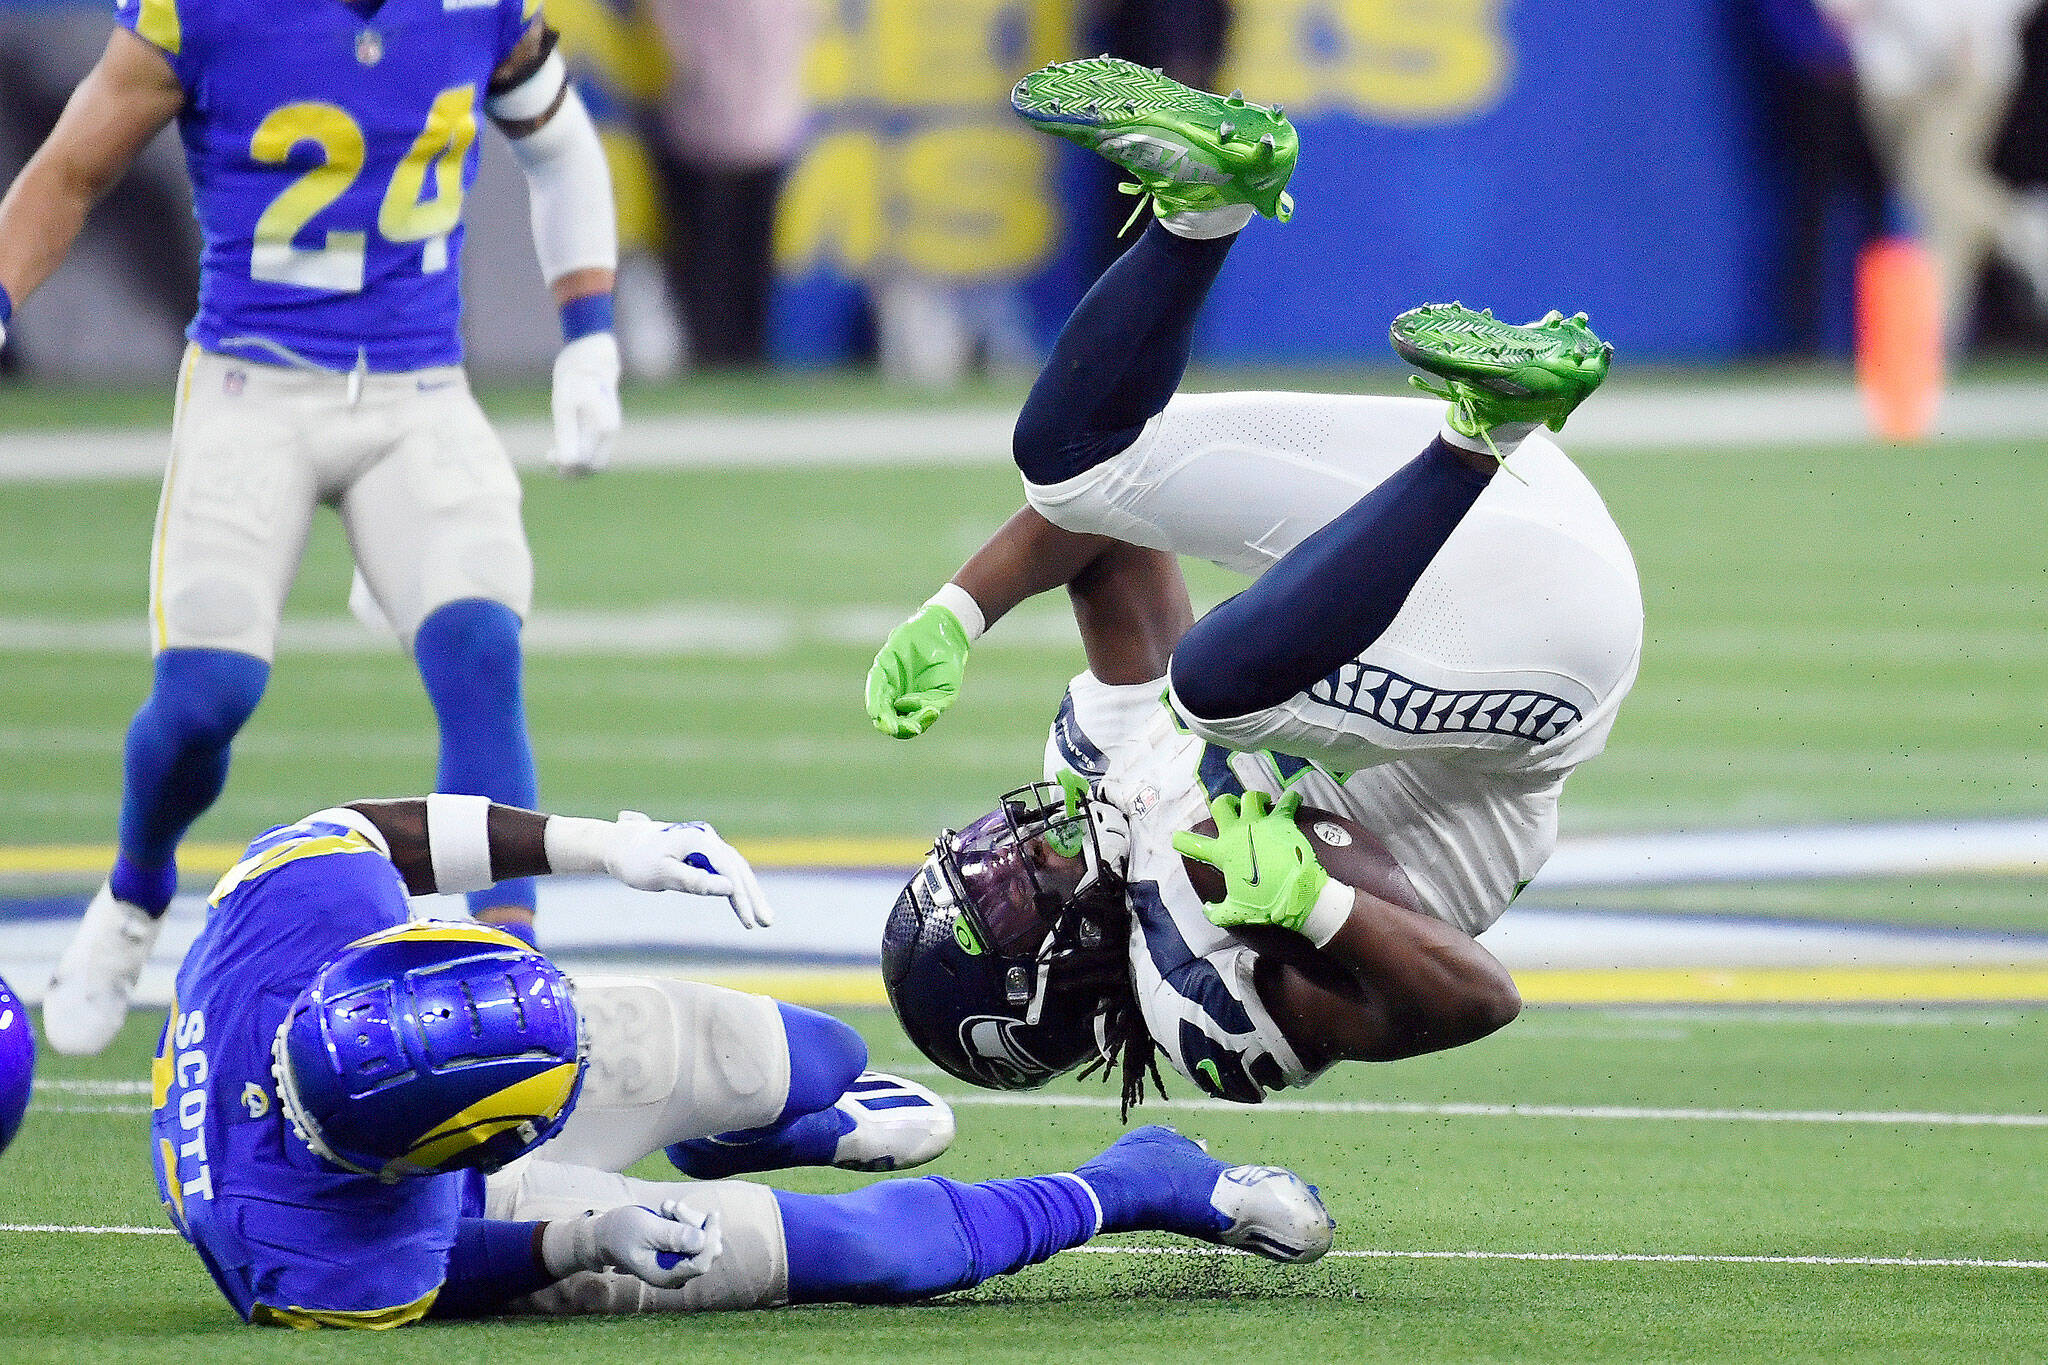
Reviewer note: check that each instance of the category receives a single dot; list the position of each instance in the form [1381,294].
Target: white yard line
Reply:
[1628,415]
[1889,1118]
[1609,1257]
[1904,1118]
[1376,1254]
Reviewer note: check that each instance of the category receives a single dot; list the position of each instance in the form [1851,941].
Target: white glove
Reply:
[664,1247]
[586,404]
[648,855]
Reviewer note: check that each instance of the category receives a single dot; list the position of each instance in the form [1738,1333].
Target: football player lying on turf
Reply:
[1428,648]
[359,1121]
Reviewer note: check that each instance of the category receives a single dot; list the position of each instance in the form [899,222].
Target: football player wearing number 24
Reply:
[330,148]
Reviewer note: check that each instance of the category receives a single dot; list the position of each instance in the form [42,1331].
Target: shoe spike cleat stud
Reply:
[1235,99]
[1226,131]
[1278,113]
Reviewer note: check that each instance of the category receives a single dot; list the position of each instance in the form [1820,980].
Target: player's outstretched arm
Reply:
[125,100]
[1130,604]
[1387,980]
[575,234]
[466,843]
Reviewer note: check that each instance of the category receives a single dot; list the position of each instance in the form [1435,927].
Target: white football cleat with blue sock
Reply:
[1273,1213]
[1156,1179]
[95,976]
[897,1124]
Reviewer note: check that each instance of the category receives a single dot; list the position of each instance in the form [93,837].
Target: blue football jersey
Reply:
[331,149]
[289,1239]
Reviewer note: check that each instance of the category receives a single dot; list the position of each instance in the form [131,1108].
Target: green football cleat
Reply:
[1187,149]
[1496,372]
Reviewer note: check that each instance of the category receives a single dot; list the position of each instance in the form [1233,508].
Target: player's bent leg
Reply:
[1207,162]
[1520,640]
[175,761]
[670,1061]
[469,659]
[438,542]
[1119,358]
[838,1113]
[905,1240]
[1331,596]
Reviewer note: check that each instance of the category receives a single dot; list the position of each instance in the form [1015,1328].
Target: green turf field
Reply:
[1834,634]
[1659,1184]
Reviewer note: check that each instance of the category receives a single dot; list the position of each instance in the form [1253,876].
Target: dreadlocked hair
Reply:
[1127,1048]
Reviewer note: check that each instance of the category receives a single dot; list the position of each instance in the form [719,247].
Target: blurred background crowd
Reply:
[840,181]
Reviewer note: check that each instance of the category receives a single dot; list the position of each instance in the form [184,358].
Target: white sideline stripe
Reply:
[1900,1118]
[1628,415]
[1871,1117]
[687,630]
[1608,1257]
[1590,1257]
[76,1087]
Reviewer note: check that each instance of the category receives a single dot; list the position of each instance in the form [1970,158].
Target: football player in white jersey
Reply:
[1427,650]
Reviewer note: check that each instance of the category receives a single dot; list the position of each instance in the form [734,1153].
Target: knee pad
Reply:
[472,645]
[826,1056]
[206,695]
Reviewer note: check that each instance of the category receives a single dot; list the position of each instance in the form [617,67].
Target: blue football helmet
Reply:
[17,1064]
[430,1047]
[1004,953]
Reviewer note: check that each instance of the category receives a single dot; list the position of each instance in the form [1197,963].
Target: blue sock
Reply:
[903,1240]
[826,1056]
[1329,597]
[177,761]
[468,656]
[1119,358]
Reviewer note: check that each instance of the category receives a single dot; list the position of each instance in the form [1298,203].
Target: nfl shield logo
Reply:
[369,47]
[233,382]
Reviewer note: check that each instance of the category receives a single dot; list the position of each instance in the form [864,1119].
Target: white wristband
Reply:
[576,845]
[459,842]
[568,1245]
[1333,907]
[961,603]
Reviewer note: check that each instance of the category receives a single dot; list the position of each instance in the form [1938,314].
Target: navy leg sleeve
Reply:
[1329,597]
[1119,358]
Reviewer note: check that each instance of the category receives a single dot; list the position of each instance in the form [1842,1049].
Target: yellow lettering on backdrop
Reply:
[920,169]
[1411,61]
[831,209]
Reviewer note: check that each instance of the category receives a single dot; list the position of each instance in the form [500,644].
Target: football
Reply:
[1346,850]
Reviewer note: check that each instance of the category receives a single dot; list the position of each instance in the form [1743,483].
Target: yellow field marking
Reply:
[211,860]
[1619,986]
[1783,985]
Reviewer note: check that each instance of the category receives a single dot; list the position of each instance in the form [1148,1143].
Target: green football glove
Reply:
[1270,872]
[918,673]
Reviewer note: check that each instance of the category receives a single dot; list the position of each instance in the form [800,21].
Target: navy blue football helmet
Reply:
[1001,954]
[17,1064]
[431,1047]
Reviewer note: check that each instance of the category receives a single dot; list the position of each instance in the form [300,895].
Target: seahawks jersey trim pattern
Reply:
[1080,753]
[1416,709]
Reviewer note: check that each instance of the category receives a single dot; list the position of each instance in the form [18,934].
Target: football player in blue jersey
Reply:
[330,149]
[360,1121]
